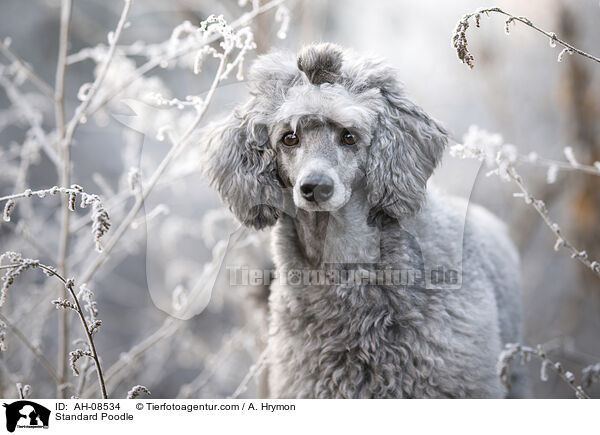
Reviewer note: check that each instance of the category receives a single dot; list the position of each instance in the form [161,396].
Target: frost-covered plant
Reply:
[136,391]
[100,218]
[503,159]
[460,43]
[213,47]
[525,353]
[16,266]
[24,391]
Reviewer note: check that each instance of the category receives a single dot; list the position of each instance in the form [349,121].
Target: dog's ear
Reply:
[406,147]
[240,164]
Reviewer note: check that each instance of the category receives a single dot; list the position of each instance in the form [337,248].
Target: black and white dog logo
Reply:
[26,414]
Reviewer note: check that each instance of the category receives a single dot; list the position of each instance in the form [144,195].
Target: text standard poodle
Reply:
[329,152]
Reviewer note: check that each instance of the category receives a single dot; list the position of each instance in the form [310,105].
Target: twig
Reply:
[549,163]
[81,111]
[23,390]
[173,152]
[65,140]
[69,285]
[41,193]
[59,85]
[561,241]
[65,179]
[254,371]
[17,101]
[31,75]
[66,137]
[459,38]
[122,196]
[481,145]
[154,63]
[136,391]
[513,350]
[100,219]
[168,327]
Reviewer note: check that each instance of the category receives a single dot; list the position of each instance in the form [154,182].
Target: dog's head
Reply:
[320,126]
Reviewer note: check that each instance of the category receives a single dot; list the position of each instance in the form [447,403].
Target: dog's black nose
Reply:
[317,188]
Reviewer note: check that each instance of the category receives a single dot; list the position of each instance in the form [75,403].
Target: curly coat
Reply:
[365,340]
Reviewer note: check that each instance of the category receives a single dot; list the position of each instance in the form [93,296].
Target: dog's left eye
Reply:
[348,138]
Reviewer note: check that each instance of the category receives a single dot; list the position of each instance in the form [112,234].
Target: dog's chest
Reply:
[357,339]
[352,342]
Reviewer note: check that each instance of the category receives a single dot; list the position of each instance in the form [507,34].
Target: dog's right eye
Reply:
[290,139]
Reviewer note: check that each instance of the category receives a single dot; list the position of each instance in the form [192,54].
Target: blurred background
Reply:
[517,89]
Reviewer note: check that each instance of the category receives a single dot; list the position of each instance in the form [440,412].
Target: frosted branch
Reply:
[18,265]
[525,353]
[100,219]
[254,371]
[460,43]
[481,145]
[136,391]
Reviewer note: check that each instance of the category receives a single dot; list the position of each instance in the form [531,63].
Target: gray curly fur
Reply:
[365,340]
[321,63]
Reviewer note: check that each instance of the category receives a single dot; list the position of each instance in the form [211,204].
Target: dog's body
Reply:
[331,153]
[397,341]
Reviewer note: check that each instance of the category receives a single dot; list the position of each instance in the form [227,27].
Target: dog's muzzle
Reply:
[317,188]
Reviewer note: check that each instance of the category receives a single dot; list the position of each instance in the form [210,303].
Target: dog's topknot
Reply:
[321,62]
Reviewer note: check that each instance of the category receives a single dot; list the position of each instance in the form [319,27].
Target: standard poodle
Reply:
[330,153]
